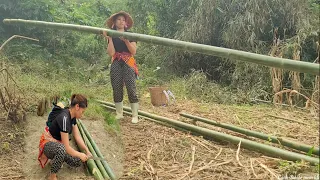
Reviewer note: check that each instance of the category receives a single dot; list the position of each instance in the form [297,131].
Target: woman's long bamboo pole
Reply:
[274,139]
[266,149]
[289,64]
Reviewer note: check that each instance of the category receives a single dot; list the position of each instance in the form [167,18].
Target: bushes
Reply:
[57,43]
[243,25]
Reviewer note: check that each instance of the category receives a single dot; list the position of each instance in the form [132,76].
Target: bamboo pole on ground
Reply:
[289,64]
[106,166]
[93,168]
[285,142]
[266,149]
[149,119]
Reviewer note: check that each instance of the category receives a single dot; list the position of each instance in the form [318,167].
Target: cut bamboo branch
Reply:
[237,155]
[289,64]
[16,36]
[266,168]
[270,102]
[274,139]
[254,173]
[218,154]
[288,119]
[266,149]
[209,166]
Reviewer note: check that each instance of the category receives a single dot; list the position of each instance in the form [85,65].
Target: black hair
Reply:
[114,21]
[79,99]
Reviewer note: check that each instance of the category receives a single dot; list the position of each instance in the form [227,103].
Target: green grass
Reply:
[294,168]
[108,117]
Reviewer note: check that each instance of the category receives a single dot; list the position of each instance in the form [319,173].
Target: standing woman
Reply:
[123,68]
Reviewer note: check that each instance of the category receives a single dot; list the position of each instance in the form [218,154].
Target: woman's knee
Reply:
[61,150]
[78,162]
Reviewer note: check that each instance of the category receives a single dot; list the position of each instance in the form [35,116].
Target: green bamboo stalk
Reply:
[289,64]
[266,149]
[98,164]
[106,166]
[149,119]
[285,142]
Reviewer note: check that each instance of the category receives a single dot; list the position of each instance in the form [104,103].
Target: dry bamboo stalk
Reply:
[237,155]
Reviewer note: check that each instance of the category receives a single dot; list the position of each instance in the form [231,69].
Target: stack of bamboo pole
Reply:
[262,148]
[282,141]
[99,169]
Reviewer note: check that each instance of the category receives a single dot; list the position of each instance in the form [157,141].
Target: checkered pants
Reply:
[122,74]
[58,155]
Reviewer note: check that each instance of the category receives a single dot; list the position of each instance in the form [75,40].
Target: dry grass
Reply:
[276,74]
[316,87]
[315,97]
[11,100]
[10,91]
[10,169]
[295,76]
[157,152]
[290,94]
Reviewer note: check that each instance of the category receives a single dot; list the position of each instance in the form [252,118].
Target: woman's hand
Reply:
[89,154]
[124,39]
[83,157]
[104,33]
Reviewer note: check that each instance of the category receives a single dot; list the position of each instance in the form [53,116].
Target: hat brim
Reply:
[129,20]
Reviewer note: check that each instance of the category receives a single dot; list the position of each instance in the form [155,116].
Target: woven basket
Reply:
[158,98]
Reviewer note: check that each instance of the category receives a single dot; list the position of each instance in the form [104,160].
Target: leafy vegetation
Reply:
[78,58]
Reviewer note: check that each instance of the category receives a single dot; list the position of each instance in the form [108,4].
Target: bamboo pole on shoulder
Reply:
[263,148]
[289,64]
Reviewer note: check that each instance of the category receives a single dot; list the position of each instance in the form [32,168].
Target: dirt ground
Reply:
[23,163]
[150,151]
[158,152]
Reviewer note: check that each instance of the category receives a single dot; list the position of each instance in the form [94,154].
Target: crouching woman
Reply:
[54,142]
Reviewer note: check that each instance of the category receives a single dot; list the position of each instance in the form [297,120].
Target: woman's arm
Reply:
[79,140]
[70,150]
[132,46]
[110,49]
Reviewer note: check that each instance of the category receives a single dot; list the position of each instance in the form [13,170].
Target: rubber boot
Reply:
[134,109]
[119,110]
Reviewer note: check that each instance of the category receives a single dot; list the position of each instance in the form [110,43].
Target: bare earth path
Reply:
[108,145]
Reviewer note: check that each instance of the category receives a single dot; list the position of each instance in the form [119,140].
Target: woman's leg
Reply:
[72,161]
[116,75]
[130,82]
[56,152]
